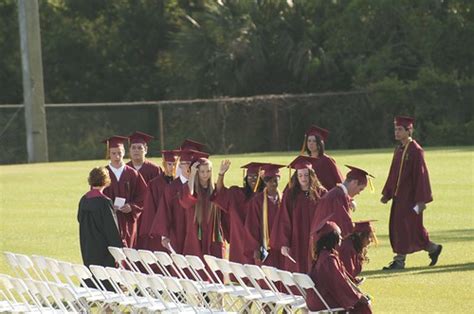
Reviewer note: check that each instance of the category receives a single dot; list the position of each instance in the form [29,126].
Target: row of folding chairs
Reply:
[264,288]
[132,291]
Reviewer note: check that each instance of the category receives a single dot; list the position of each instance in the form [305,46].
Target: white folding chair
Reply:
[195,298]
[134,258]
[53,269]
[42,267]
[121,258]
[12,261]
[152,295]
[28,300]
[27,267]
[176,291]
[182,265]
[165,260]
[158,286]
[149,260]
[40,293]
[306,283]
[67,297]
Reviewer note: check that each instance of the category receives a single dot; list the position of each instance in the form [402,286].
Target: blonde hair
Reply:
[200,191]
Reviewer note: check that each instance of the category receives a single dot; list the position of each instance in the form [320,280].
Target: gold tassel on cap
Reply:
[258,180]
[371,185]
[303,148]
[107,151]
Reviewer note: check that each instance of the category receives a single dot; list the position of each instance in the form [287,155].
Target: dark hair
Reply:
[315,187]
[99,176]
[327,242]
[357,244]
[248,190]
[319,145]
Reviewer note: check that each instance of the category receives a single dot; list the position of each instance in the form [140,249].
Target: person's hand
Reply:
[285,251]
[421,206]
[384,199]
[225,165]
[126,208]
[194,169]
[165,242]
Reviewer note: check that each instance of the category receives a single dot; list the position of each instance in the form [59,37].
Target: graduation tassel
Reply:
[258,180]
[303,148]
[266,235]
[199,232]
[371,185]
[107,153]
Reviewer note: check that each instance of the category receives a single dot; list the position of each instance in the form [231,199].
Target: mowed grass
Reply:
[38,206]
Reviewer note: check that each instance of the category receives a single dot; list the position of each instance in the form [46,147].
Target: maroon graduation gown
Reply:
[155,190]
[148,170]
[293,229]
[349,258]
[332,283]
[254,226]
[234,204]
[206,238]
[170,219]
[132,187]
[327,171]
[407,233]
[335,202]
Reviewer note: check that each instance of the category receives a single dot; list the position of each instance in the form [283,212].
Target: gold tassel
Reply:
[371,185]
[258,180]
[303,148]
[266,235]
[107,152]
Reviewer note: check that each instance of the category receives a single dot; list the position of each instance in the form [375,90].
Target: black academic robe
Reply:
[97,229]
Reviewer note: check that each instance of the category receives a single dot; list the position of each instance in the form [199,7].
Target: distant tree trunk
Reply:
[275,131]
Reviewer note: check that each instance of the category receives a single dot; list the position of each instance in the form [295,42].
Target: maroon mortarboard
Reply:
[169,155]
[115,141]
[140,137]
[302,162]
[190,155]
[271,170]
[358,174]
[404,121]
[190,144]
[325,227]
[253,168]
[317,131]
[363,226]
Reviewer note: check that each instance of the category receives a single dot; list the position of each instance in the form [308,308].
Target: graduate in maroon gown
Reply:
[234,203]
[126,184]
[329,274]
[203,233]
[138,150]
[290,235]
[353,250]
[408,186]
[170,220]
[339,201]
[325,166]
[260,219]
[155,190]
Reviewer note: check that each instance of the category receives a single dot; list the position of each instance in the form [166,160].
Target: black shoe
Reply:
[394,265]
[434,256]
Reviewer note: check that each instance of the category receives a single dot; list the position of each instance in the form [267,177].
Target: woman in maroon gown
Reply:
[234,202]
[353,251]
[299,201]
[203,219]
[329,274]
[260,218]
[325,166]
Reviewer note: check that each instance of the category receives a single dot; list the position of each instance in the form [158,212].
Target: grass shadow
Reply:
[376,274]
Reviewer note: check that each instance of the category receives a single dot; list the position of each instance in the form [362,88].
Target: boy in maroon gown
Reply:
[155,190]
[128,184]
[291,233]
[325,166]
[138,150]
[408,186]
[234,203]
[261,215]
[329,274]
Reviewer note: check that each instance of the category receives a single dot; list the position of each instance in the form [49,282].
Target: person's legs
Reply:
[434,250]
[397,263]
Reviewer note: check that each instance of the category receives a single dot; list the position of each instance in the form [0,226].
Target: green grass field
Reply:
[38,205]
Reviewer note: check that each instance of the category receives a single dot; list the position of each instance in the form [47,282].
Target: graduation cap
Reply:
[190,155]
[314,131]
[302,162]
[359,174]
[190,144]
[271,170]
[253,168]
[169,155]
[404,121]
[325,227]
[140,137]
[364,226]
[113,142]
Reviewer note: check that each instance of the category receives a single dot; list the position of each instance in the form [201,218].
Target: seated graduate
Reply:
[98,226]
[329,274]
[353,250]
